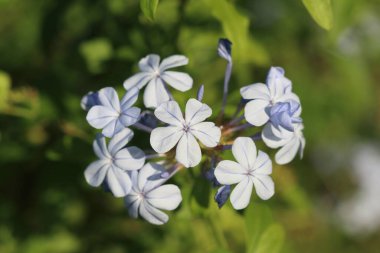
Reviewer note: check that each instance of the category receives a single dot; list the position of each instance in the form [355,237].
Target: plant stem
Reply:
[142,127]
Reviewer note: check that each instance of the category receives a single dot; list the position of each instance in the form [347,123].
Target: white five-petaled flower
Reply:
[291,142]
[278,88]
[252,169]
[156,75]
[113,115]
[184,131]
[148,195]
[114,163]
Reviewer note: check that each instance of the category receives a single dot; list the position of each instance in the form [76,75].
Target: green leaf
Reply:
[271,240]
[5,85]
[257,218]
[149,8]
[201,191]
[321,12]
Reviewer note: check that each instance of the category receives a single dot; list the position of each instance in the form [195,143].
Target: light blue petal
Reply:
[129,98]
[119,182]
[108,97]
[119,140]
[131,158]
[96,172]
[100,116]
[130,116]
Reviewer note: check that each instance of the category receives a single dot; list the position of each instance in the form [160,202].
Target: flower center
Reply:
[157,72]
[186,128]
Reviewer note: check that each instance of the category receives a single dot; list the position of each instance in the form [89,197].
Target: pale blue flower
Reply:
[156,75]
[114,163]
[285,114]
[148,195]
[262,97]
[289,142]
[112,115]
[183,132]
[252,169]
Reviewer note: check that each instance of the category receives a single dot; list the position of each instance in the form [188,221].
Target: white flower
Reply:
[114,162]
[263,96]
[148,195]
[156,75]
[184,131]
[291,142]
[112,115]
[252,169]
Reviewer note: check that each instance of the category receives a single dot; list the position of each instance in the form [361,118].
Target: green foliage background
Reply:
[53,52]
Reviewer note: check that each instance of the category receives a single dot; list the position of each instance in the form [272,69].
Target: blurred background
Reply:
[54,52]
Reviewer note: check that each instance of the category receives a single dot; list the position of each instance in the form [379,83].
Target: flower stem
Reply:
[237,128]
[227,78]
[142,127]
[256,136]
[236,120]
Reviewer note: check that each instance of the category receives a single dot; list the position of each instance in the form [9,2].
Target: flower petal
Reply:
[119,182]
[113,128]
[149,177]
[254,112]
[149,63]
[129,98]
[173,61]
[188,151]
[273,137]
[207,133]
[264,186]
[96,172]
[130,116]
[100,147]
[241,194]
[196,111]
[100,116]
[263,165]
[277,83]
[138,80]
[170,113]
[287,153]
[255,91]
[178,80]
[108,97]
[166,197]
[132,202]
[131,158]
[151,214]
[119,140]
[163,139]
[155,93]
[244,151]
[229,172]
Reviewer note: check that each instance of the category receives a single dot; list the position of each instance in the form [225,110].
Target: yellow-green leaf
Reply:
[321,12]
[149,8]
[271,240]
[5,85]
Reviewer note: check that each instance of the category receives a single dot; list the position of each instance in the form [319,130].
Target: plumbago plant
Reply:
[181,139]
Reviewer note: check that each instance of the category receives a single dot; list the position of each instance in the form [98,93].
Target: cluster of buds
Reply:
[184,140]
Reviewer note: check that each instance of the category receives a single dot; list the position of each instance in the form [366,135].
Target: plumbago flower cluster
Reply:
[183,138]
